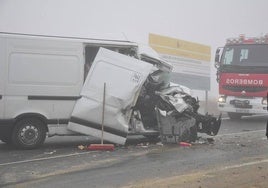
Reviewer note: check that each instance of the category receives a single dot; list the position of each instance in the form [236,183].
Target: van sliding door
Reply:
[124,77]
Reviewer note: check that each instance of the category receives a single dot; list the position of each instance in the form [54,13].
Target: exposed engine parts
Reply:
[172,111]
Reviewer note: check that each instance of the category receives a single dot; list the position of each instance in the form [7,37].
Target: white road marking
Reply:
[44,158]
[245,164]
[63,156]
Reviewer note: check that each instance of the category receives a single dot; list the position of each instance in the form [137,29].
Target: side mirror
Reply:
[217,58]
[217,65]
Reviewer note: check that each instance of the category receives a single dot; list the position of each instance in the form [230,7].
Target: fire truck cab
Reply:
[242,74]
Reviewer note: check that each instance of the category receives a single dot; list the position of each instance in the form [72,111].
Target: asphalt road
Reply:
[238,157]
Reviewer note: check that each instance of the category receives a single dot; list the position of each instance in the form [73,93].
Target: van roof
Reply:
[94,38]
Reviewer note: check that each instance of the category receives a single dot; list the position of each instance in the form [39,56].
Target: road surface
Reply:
[238,157]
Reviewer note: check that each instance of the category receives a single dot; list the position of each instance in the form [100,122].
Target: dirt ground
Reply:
[250,175]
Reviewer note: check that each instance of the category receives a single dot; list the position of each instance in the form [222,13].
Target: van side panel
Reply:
[43,77]
[44,67]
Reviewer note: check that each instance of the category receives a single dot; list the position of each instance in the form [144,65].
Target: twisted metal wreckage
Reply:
[140,99]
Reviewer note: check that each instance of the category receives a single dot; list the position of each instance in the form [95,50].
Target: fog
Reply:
[207,22]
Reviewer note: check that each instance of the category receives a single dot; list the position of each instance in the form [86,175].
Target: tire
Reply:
[29,133]
[234,116]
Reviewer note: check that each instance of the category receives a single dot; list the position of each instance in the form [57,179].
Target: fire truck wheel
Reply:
[29,133]
[234,116]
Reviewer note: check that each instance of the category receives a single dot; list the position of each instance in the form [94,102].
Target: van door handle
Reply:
[0,97]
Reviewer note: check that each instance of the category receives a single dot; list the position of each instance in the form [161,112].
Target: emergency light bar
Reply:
[250,40]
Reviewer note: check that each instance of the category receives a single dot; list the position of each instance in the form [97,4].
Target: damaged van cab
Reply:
[54,86]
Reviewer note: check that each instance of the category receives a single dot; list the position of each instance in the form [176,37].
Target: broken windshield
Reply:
[161,77]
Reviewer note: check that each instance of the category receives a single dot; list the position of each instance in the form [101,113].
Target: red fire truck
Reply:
[242,74]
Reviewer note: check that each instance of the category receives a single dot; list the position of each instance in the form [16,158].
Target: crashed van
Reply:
[53,85]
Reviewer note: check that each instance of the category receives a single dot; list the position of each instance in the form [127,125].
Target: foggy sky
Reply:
[208,22]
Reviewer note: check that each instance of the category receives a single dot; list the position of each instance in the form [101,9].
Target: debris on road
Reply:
[101,147]
[210,140]
[202,140]
[97,147]
[50,153]
[159,144]
[185,144]
[81,147]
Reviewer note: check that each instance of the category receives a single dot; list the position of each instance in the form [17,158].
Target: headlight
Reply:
[264,101]
[222,99]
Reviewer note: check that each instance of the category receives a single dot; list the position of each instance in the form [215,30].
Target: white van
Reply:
[41,78]
[54,85]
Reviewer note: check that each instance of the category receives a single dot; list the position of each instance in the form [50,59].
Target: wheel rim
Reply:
[29,135]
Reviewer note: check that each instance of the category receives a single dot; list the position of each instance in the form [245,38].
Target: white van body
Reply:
[41,77]
[54,86]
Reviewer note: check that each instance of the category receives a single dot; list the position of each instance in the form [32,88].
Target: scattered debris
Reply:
[81,147]
[201,140]
[50,153]
[185,144]
[210,140]
[144,145]
[101,147]
[159,144]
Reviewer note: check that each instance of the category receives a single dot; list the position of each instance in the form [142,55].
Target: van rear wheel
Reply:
[29,133]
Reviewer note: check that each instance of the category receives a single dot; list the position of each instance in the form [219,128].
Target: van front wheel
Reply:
[29,133]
